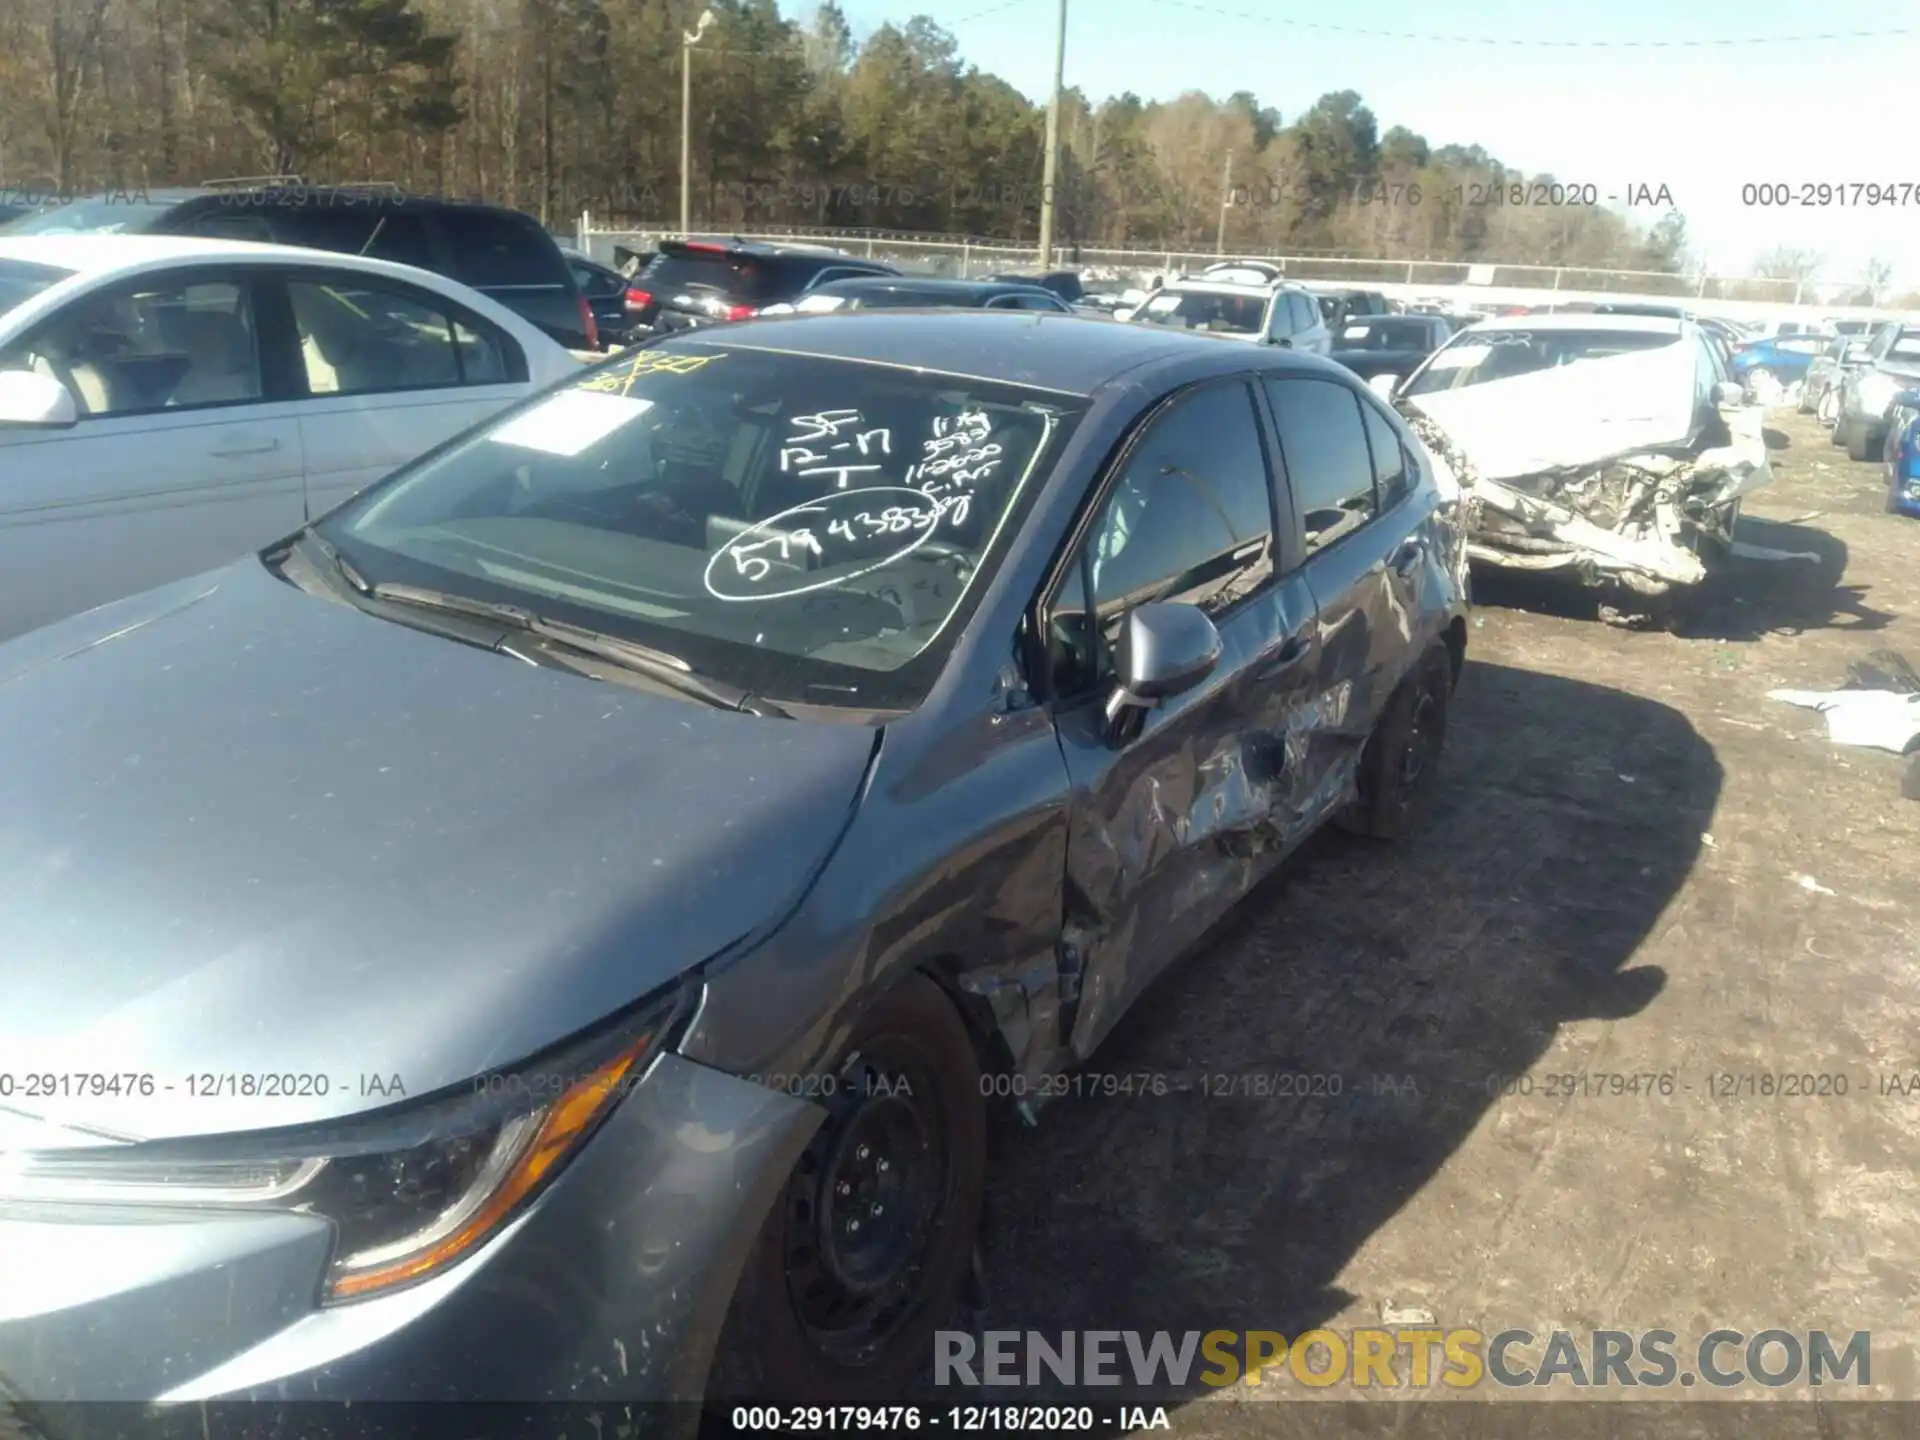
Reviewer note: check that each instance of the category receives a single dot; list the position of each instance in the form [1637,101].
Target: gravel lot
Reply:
[1638,864]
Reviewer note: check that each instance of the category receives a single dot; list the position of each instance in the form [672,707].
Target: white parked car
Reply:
[169,403]
[1254,310]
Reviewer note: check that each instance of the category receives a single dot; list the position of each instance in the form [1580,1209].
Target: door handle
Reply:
[1288,656]
[1407,557]
[246,447]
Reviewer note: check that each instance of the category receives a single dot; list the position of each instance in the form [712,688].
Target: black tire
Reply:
[1838,435]
[1401,758]
[814,1322]
[1859,444]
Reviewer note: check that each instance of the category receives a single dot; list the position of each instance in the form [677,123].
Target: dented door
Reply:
[1173,825]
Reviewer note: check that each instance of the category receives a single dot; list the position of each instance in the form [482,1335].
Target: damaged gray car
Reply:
[1610,448]
[552,928]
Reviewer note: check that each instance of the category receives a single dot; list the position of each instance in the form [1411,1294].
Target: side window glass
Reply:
[233,225]
[1282,325]
[483,361]
[401,238]
[153,346]
[1324,444]
[356,339]
[493,249]
[1392,479]
[1190,517]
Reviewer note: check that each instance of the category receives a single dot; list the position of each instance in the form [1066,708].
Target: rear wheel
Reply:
[1859,444]
[865,1254]
[1399,765]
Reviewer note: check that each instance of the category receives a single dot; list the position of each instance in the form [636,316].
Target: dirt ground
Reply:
[1638,864]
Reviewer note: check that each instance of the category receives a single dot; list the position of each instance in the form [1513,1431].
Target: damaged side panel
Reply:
[1169,831]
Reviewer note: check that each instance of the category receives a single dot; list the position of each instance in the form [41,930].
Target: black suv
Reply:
[705,282]
[503,254]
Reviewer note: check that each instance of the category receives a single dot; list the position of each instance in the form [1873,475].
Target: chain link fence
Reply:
[964,257]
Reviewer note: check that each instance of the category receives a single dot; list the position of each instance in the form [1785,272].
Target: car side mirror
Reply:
[1384,385]
[1165,649]
[28,398]
[1728,395]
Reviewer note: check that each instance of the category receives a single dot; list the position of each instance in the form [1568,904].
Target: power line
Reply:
[990,10]
[1520,41]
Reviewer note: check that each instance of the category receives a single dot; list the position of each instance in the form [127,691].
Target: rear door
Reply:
[1311,332]
[1174,818]
[186,456]
[385,371]
[1359,558]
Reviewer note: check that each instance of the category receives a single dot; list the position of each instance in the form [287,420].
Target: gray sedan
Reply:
[553,928]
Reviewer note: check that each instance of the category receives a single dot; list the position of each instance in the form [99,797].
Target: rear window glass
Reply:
[20,282]
[497,249]
[744,277]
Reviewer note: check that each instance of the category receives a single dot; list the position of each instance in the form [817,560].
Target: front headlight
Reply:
[409,1191]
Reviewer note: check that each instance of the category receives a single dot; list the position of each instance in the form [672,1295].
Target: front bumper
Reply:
[611,1288]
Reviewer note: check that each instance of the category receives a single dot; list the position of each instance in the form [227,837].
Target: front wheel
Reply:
[1859,443]
[1400,763]
[866,1252]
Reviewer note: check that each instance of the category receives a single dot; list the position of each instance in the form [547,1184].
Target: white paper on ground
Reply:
[1874,719]
[570,422]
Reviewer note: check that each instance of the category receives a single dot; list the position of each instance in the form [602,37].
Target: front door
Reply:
[179,462]
[1173,820]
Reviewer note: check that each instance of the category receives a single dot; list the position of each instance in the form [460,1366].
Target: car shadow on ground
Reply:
[1410,978]
[1742,599]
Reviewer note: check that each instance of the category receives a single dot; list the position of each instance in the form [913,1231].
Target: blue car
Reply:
[1903,455]
[1772,364]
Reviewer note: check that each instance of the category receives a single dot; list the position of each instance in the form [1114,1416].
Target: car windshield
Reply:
[1477,356]
[805,528]
[1206,310]
[1386,334]
[109,216]
[20,282]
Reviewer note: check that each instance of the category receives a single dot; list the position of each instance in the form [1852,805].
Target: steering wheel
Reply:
[945,550]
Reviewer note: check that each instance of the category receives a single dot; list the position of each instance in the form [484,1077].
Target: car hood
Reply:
[247,831]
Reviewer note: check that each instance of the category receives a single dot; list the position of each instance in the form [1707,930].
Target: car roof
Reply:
[1227,287]
[1068,354]
[931,284]
[100,255]
[1642,324]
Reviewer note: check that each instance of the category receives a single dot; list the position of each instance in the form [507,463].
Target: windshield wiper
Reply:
[670,670]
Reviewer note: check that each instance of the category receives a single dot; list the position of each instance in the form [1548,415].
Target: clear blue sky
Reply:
[1702,121]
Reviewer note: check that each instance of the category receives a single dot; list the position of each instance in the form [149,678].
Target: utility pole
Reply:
[1051,169]
[1226,202]
[689,39]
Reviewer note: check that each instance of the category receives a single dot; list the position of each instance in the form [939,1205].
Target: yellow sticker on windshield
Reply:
[619,380]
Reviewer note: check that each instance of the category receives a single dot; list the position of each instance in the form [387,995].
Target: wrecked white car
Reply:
[1610,447]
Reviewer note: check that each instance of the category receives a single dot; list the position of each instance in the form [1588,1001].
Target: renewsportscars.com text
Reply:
[1404,1357]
